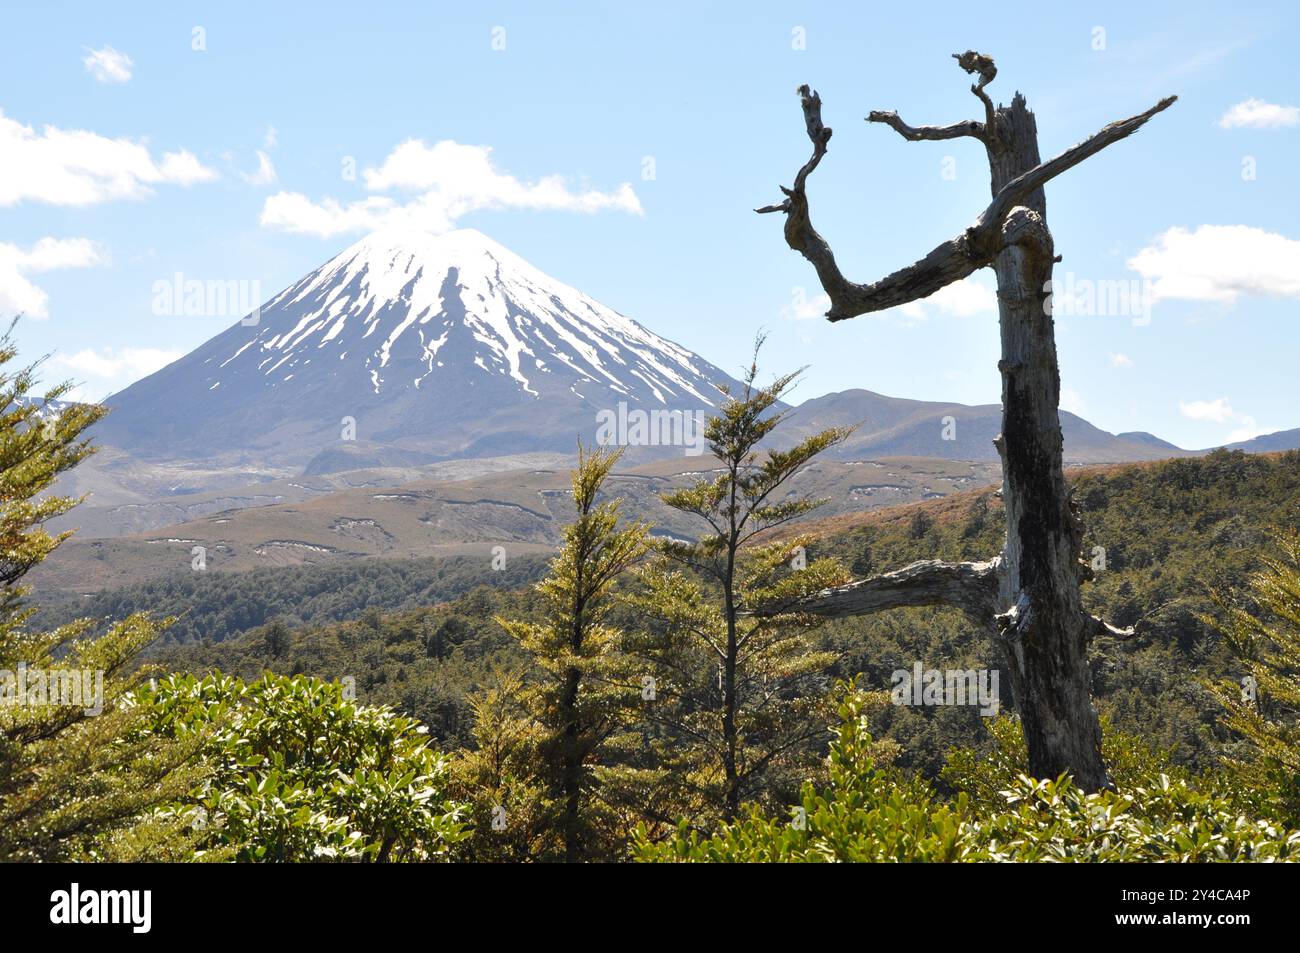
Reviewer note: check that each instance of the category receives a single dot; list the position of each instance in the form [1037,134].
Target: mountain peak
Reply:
[425,245]
[402,262]
[429,335]
[409,291]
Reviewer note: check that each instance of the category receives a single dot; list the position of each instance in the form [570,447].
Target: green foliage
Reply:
[738,698]
[870,813]
[295,771]
[1168,528]
[1264,706]
[511,812]
[1172,531]
[213,607]
[424,662]
[983,774]
[37,443]
[867,813]
[73,785]
[583,684]
[1160,820]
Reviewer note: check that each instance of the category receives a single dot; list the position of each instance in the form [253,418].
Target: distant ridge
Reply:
[1267,443]
[893,426]
[409,348]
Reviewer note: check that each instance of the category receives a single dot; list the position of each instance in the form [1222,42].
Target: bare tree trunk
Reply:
[1037,614]
[730,741]
[1042,629]
[731,800]
[571,764]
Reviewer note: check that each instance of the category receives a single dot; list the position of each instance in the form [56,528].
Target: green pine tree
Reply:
[73,784]
[1264,706]
[584,686]
[503,779]
[740,686]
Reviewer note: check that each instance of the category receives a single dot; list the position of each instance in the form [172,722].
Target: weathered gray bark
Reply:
[1030,596]
[972,587]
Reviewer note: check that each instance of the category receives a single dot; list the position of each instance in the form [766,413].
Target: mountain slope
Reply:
[1269,442]
[523,510]
[408,349]
[436,346]
[893,426]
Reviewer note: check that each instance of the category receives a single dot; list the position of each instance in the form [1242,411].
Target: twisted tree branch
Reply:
[957,130]
[1100,626]
[973,62]
[950,261]
[972,587]
[1019,188]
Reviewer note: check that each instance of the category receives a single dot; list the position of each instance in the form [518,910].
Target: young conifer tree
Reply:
[583,693]
[738,678]
[1264,707]
[510,813]
[75,782]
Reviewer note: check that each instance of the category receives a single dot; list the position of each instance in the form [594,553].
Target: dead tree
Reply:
[1028,597]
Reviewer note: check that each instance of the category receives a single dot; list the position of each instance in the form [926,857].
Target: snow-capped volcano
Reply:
[397,298]
[431,345]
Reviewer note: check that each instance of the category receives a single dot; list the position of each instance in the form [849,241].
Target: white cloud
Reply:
[1208,411]
[18,295]
[112,365]
[1220,412]
[445,181]
[294,212]
[184,168]
[77,167]
[108,65]
[271,139]
[1219,263]
[1254,113]
[99,373]
[961,299]
[1073,402]
[914,311]
[1248,430]
[265,174]
[803,308]
[1121,360]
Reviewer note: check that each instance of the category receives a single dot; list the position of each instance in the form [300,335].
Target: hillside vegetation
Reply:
[1171,530]
[212,607]
[657,699]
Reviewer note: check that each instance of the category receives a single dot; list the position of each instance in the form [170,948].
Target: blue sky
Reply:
[622,148]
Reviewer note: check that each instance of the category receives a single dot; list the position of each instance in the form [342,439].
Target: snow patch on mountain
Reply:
[410,292]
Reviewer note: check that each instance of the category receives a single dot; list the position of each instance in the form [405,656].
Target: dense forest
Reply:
[212,607]
[664,700]
[1175,532]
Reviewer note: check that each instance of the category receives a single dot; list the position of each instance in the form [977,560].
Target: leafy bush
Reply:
[867,813]
[1162,820]
[296,771]
[874,813]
